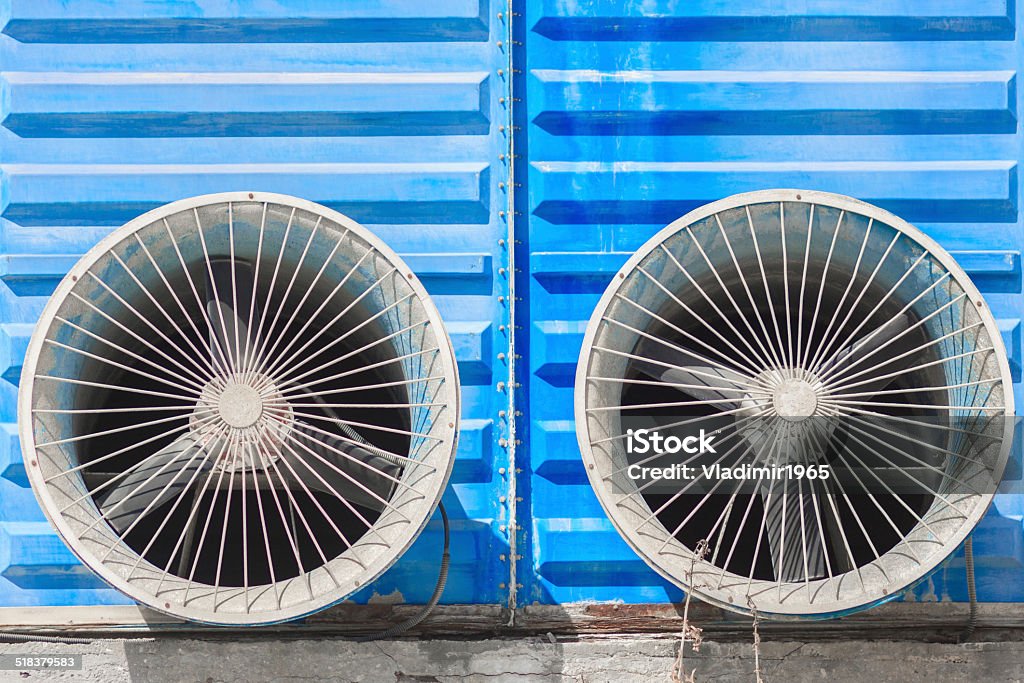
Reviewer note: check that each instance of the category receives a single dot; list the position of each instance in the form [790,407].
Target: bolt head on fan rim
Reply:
[245,415]
[793,399]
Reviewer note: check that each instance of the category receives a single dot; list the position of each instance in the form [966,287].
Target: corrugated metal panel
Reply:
[637,112]
[389,112]
[634,113]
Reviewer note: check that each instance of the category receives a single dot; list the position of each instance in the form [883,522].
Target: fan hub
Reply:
[240,405]
[794,400]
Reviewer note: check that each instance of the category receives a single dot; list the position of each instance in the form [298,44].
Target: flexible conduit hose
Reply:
[12,637]
[442,578]
[972,593]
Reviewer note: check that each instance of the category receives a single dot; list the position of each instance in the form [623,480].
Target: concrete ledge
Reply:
[620,659]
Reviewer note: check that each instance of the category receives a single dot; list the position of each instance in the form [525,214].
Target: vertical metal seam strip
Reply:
[510,242]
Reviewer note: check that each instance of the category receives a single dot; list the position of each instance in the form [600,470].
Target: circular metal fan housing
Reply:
[239,408]
[789,333]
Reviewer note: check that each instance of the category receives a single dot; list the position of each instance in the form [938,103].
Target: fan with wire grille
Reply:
[239,408]
[804,332]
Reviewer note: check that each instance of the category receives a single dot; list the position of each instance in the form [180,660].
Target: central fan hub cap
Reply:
[258,418]
[240,405]
[794,400]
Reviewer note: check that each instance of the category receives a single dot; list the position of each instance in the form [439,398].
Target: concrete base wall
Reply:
[612,658]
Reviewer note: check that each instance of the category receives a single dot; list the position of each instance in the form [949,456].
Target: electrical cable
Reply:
[398,629]
[17,637]
[442,578]
[972,593]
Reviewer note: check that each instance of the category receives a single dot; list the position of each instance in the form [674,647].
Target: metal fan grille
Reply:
[239,408]
[800,328]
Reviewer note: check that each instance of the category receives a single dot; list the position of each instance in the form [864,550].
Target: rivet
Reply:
[409,276]
[590,466]
[167,605]
[501,585]
[798,197]
[250,195]
[622,276]
[500,43]
[451,424]
[34,464]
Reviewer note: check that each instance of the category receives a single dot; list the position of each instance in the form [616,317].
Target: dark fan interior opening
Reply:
[299,524]
[733,536]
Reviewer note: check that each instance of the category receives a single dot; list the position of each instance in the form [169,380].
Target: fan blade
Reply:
[147,488]
[344,469]
[702,382]
[799,539]
[791,519]
[232,283]
[856,351]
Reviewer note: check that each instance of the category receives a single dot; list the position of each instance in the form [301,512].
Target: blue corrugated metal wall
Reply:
[637,111]
[630,113]
[393,113]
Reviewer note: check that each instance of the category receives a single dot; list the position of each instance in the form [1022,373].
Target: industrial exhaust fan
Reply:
[852,389]
[239,408]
